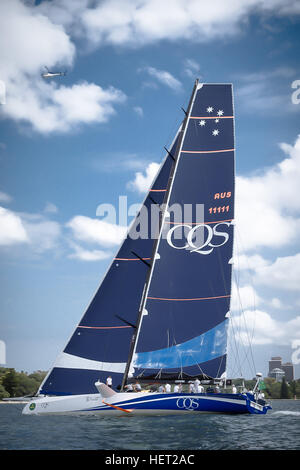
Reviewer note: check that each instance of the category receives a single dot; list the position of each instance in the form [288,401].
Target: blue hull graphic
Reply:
[147,404]
[182,402]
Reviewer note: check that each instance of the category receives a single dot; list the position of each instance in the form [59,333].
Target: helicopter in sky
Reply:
[50,74]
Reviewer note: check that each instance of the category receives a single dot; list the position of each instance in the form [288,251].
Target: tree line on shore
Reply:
[273,389]
[19,384]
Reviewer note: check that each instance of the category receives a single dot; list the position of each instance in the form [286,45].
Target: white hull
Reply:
[82,405]
[90,405]
[132,404]
[108,402]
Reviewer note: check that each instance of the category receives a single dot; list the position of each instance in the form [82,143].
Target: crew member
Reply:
[109,381]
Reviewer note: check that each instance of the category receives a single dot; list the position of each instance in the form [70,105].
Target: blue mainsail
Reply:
[183,325]
[100,344]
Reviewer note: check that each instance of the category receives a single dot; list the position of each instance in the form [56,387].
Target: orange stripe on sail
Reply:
[211,117]
[198,223]
[158,190]
[207,151]
[182,300]
[102,327]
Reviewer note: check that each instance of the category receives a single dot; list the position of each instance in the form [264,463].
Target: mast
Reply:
[156,244]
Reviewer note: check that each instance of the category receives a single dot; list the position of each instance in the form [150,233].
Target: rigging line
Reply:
[233,345]
[247,332]
[223,358]
[246,327]
[221,264]
[238,335]
[180,360]
[240,346]
[141,374]
[251,282]
[233,356]
[197,364]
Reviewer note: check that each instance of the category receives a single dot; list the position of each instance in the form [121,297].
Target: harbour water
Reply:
[278,429]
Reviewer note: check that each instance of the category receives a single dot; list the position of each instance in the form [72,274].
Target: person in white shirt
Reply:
[191,388]
[168,388]
[109,381]
[176,388]
[161,389]
[196,385]
[137,387]
[234,388]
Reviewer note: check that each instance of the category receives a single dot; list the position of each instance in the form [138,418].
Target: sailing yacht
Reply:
[161,313]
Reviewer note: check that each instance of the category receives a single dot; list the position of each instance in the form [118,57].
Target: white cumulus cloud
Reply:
[96,231]
[5,198]
[12,230]
[262,329]
[46,106]
[39,233]
[164,77]
[84,254]
[267,210]
[142,182]
[243,298]
[283,273]
[141,22]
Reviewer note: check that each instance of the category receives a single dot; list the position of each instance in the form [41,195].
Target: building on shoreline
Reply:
[278,370]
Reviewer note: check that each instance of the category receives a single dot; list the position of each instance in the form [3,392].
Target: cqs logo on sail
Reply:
[202,238]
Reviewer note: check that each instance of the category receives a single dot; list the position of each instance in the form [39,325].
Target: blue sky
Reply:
[71,143]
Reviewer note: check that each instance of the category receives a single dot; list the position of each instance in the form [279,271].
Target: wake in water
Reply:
[286,413]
